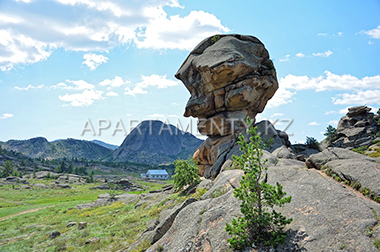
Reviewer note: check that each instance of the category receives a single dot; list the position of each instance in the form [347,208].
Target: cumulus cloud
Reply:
[286,58]
[151,80]
[93,60]
[115,82]
[323,54]
[30,87]
[27,36]
[112,94]
[359,97]
[333,122]
[322,34]
[178,32]
[6,115]
[291,83]
[314,123]
[330,112]
[86,98]
[300,55]
[374,33]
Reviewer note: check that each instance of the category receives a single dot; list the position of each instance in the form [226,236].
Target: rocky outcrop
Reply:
[327,215]
[122,184]
[357,128]
[349,166]
[229,77]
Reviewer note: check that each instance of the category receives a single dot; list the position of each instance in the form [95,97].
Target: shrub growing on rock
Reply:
[312,143]
[185,173]
[331,134]
[260,224]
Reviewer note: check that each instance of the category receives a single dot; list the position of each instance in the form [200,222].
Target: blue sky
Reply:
[66,63]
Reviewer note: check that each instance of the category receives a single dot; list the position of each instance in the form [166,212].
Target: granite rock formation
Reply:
[357,128]
[229,78]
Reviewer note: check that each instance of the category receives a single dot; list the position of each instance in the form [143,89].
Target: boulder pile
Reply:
[357,128]
[229,77]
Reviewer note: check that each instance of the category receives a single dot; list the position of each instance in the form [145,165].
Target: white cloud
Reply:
[300,55]
[322,34]
[330,112]
[25,1]
[86,98]
[333,122]
[374,33]
[370,43]
[281,97]
[286,58]
[359,97]
[6,115]
[174,104]
[128,114]
[329,82]
[277,114]
[175,116]
[178,32]
[112,94]
[17,48]
[156,116]
[115,82]
[144,23]
[314,123]
[93,60]
[30,87]
[340,34]
[291,83]
[323,54]
[151,80]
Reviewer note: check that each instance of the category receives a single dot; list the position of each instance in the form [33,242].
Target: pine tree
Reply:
[8,169]
[71,168]
[331,134]
[260,224]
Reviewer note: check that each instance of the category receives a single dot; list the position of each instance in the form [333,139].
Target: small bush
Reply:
[356,185]
[312,143]
[377,243]
[360,150]
[215,39]
[185,173]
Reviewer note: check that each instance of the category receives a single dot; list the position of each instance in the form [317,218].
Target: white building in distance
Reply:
[156,174]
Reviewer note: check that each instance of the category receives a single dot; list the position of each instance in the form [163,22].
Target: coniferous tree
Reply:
[260,224]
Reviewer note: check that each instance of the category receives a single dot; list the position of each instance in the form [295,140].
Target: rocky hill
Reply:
[153,142]
[39,147]
[107,145]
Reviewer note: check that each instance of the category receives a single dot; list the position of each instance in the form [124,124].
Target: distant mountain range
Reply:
[151,142]
[39,147]
[107,145]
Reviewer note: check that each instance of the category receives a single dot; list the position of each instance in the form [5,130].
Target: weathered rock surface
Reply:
[122,184]
[332,153]
[229,77]
[357,128]
[326,214]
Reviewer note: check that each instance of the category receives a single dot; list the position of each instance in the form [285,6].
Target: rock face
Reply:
[357,128]
[327,215]
[229,78]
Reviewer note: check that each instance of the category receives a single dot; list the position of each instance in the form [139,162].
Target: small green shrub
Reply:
[219,192]
[201,192]
[331,134]
[360,150]
[215,39]
[342,246]
[356,185]
[377,243]
[185,173]
[376,153]
[375,141]
[312,143]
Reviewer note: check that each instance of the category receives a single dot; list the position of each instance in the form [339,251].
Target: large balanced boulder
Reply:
[230,78]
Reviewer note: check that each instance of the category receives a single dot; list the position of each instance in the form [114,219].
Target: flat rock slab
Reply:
[326,215]
[365,172]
